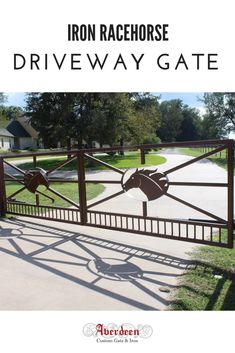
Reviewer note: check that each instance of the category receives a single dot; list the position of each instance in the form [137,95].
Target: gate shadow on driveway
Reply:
[73,257]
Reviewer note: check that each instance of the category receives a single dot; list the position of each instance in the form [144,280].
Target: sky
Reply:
[190,98]
[16,98]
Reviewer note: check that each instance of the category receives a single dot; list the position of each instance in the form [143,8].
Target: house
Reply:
[25,136]
[6,139]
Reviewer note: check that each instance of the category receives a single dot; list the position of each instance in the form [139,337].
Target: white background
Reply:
[41,27]
[198,26]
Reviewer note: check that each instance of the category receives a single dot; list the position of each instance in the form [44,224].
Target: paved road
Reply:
[50,265]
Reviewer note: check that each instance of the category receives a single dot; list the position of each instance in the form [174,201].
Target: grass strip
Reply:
[70,190]
[219,158]
[129,160]
[210,284]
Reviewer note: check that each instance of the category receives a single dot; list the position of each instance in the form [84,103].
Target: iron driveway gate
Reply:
[210,229]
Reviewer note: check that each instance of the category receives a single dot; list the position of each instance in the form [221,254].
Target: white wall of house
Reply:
[26,142]
[6,142]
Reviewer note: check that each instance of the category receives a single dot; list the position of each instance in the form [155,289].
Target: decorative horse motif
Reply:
[152,183]
[35,177]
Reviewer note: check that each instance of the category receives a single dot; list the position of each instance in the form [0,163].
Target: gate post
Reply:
[230,164]
[2,190]
[82,187]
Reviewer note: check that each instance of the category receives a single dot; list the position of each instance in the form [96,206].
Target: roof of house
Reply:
[5,133]
[25,122]
[16,129]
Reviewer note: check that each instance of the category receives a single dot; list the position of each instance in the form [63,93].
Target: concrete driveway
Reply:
[213,199]
[50,265]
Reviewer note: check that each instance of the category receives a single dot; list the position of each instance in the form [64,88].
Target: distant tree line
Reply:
[2,98]
[217,121]
[220,112]
[107,118]
[8,112]
[121,118]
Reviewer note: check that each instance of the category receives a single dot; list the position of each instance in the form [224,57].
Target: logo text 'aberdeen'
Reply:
[111,333]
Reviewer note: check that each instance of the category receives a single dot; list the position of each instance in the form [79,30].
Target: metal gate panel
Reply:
[215,230]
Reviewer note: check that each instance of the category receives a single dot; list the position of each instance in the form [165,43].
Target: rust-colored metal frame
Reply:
[207,231]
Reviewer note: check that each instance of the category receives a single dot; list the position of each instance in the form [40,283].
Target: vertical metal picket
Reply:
[82,187]
[2,190]
[230,165]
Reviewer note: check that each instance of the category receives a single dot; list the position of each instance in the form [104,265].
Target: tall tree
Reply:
[220,107]
[3,98]
[56,116]
[145,118]
[171,120]
[109,118]
[190,128]
[209,130]
[85,117]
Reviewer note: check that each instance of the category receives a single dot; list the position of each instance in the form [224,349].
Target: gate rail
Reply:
[206,231]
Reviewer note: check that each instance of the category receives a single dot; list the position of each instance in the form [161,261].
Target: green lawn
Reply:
[70,190]
[211,284]
[219,158]
[129,160]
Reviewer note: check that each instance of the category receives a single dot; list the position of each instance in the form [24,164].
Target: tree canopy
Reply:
[121,118]
[107,118]
[3,98]
[220,109]
[171,119]
[179,122]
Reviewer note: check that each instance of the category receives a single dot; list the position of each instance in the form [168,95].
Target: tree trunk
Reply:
[68,144]
[79,142]
[89,143]
[121,152]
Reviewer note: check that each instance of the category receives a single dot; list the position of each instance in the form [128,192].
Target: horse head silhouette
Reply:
[123,270]
[152,183]
[35,177]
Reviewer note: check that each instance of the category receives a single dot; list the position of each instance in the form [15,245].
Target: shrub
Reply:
[32,149]
[15,150]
